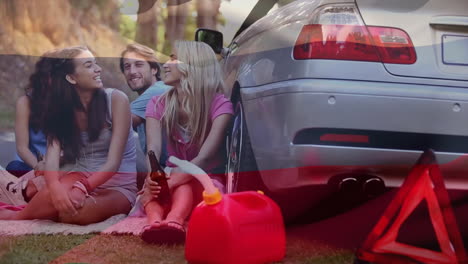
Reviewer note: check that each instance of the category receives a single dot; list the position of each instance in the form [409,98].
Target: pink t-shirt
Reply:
[178,147]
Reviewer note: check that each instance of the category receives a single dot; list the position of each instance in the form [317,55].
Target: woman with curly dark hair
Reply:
[88,128]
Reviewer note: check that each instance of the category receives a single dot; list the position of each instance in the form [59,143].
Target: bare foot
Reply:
[152,225]
[174,221]
[155,214]
[156,224]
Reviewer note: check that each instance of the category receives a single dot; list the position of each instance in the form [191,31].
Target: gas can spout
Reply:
[211,195]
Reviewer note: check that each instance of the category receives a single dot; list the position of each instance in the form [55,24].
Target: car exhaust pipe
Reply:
[372,186]
[348,185]
[345,184]
[360,184]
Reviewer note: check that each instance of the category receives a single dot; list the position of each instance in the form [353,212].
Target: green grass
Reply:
[37,248]
[304,251]
[131,249]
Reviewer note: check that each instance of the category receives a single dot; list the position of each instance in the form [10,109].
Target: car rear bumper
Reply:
[290,124]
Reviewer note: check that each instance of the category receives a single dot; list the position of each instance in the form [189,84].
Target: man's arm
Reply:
[138,106]
[136,121]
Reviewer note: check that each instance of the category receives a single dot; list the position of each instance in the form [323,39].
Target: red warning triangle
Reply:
[424,182]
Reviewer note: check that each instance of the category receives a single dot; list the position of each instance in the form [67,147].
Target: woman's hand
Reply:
[77,197]
[151,187]
[61,200]
[39,168]
[150,191]
[177,177]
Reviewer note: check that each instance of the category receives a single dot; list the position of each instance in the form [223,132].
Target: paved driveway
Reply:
[7,147]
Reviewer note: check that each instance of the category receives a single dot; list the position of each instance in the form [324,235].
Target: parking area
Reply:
[7,147]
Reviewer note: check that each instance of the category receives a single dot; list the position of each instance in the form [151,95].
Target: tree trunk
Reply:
[207,13]
[177,12]
[147,23]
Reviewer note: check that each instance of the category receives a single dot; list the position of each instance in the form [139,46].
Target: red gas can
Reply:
[244,227]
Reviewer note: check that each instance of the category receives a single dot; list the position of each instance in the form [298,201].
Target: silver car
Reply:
[348,94]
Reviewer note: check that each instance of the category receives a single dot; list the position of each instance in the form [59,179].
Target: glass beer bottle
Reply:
[158,175]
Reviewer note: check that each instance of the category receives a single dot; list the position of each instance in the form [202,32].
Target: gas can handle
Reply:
[196,172]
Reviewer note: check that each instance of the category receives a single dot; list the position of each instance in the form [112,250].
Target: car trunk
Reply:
[438,30]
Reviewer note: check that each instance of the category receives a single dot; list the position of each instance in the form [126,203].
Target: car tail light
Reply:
[337,42]
[337,32]
[393,44]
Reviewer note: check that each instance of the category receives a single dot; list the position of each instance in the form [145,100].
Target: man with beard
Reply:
[142,71]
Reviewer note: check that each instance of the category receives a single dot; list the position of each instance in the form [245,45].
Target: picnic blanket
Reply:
[117,224]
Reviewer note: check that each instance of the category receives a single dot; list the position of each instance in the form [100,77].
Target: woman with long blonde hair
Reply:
[195,114]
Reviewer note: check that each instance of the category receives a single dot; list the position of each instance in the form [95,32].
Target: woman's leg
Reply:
[155,213]
[40,206]
[37,183]
[182,204]
[171,230]
[106,203]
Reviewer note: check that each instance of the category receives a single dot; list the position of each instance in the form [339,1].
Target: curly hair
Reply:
[61,100]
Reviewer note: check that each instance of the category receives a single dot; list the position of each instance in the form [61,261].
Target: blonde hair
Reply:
[200,81]
[147,53]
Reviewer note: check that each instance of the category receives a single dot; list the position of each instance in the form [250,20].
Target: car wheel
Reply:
[242,172]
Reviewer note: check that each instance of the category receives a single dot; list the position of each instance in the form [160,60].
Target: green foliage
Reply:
[161,34]
[7,119]
[127,27]
[79,4]
[102,4]
[191,24]
[221,20]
